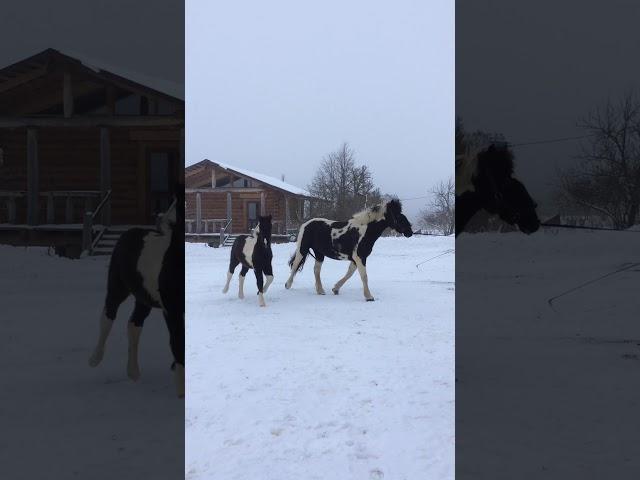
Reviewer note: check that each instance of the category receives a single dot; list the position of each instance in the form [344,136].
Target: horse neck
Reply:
[375,229]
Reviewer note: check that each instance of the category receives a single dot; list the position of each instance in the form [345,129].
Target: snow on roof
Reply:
[167,87]
[267,179]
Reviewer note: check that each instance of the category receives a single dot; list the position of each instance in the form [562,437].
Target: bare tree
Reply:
[607,180]
[440,214]
[341,186]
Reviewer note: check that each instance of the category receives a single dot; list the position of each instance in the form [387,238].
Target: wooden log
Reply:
[263,203]
[33,181]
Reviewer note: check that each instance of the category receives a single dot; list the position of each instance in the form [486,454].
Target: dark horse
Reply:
[148,264]
[352,240]
[253,251]
[484,180]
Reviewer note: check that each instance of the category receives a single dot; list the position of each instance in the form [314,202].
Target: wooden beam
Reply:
[263,203]
[89,121]
[105,172]
[223,190]
[229,206]
[32,176]
[67,95]
[213,178]
[198,212]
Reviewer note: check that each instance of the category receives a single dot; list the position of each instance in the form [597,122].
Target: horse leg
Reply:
[233,263]
[134,329]
[260,282]
[362,270]
[268,271]
[117,292]
[297,260]
[243,272]
[341,282]
[316,271]
[175,324]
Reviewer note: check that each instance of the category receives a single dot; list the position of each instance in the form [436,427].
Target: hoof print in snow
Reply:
[376,474]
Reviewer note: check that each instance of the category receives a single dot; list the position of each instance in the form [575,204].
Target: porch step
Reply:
[228,242]
[110,238]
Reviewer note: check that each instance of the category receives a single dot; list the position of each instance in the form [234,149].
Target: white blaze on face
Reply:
[150,262]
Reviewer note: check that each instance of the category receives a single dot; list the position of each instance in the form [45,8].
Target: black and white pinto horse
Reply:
[148,264]
[352,240]
[484,180]
[253,251]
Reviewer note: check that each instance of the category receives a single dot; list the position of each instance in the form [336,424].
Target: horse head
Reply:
[502,194]
[396,219]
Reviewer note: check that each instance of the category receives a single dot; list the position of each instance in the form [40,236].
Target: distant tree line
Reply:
[341,186]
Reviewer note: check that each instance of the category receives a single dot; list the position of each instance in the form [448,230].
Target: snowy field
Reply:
[59,417]
[542,392]
[322,387]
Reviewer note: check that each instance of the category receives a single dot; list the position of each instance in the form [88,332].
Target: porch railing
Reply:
[223,232]
[9,198]
[88,243]
[207,225]
[88,196]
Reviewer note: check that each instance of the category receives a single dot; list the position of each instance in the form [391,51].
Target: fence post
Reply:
[87,226]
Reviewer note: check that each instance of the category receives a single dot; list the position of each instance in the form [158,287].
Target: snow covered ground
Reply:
[60,418]
[322,387]
[541,392]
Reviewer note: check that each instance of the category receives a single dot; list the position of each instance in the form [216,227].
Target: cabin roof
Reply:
[97,68]
[259,177]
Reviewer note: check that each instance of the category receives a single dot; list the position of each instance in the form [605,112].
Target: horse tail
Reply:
[301,264]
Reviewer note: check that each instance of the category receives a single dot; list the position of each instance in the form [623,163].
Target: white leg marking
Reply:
[226,287]
[316,272]
[362,270]
[294,269]
[105,328]
[347,276]
[266,285]
[133,369]
[261,300]
[241,289]
[179,376]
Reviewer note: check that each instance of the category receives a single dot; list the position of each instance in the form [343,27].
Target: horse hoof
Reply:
[287,286]
[240,297]
[335,291]
[95,359]
[322,292]
[370,299]
[225,290]
[133,374]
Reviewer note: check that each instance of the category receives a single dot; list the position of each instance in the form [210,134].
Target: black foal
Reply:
[253,251]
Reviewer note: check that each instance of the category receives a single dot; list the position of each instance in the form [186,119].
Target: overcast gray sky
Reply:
[274,86]
[531,69]
[141,36]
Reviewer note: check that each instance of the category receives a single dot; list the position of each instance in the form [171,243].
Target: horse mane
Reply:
[493,160]
[376,213]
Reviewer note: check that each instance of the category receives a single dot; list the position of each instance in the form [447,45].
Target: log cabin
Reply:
[86,151]
[223,201]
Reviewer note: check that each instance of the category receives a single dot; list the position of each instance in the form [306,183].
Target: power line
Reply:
[552,140]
